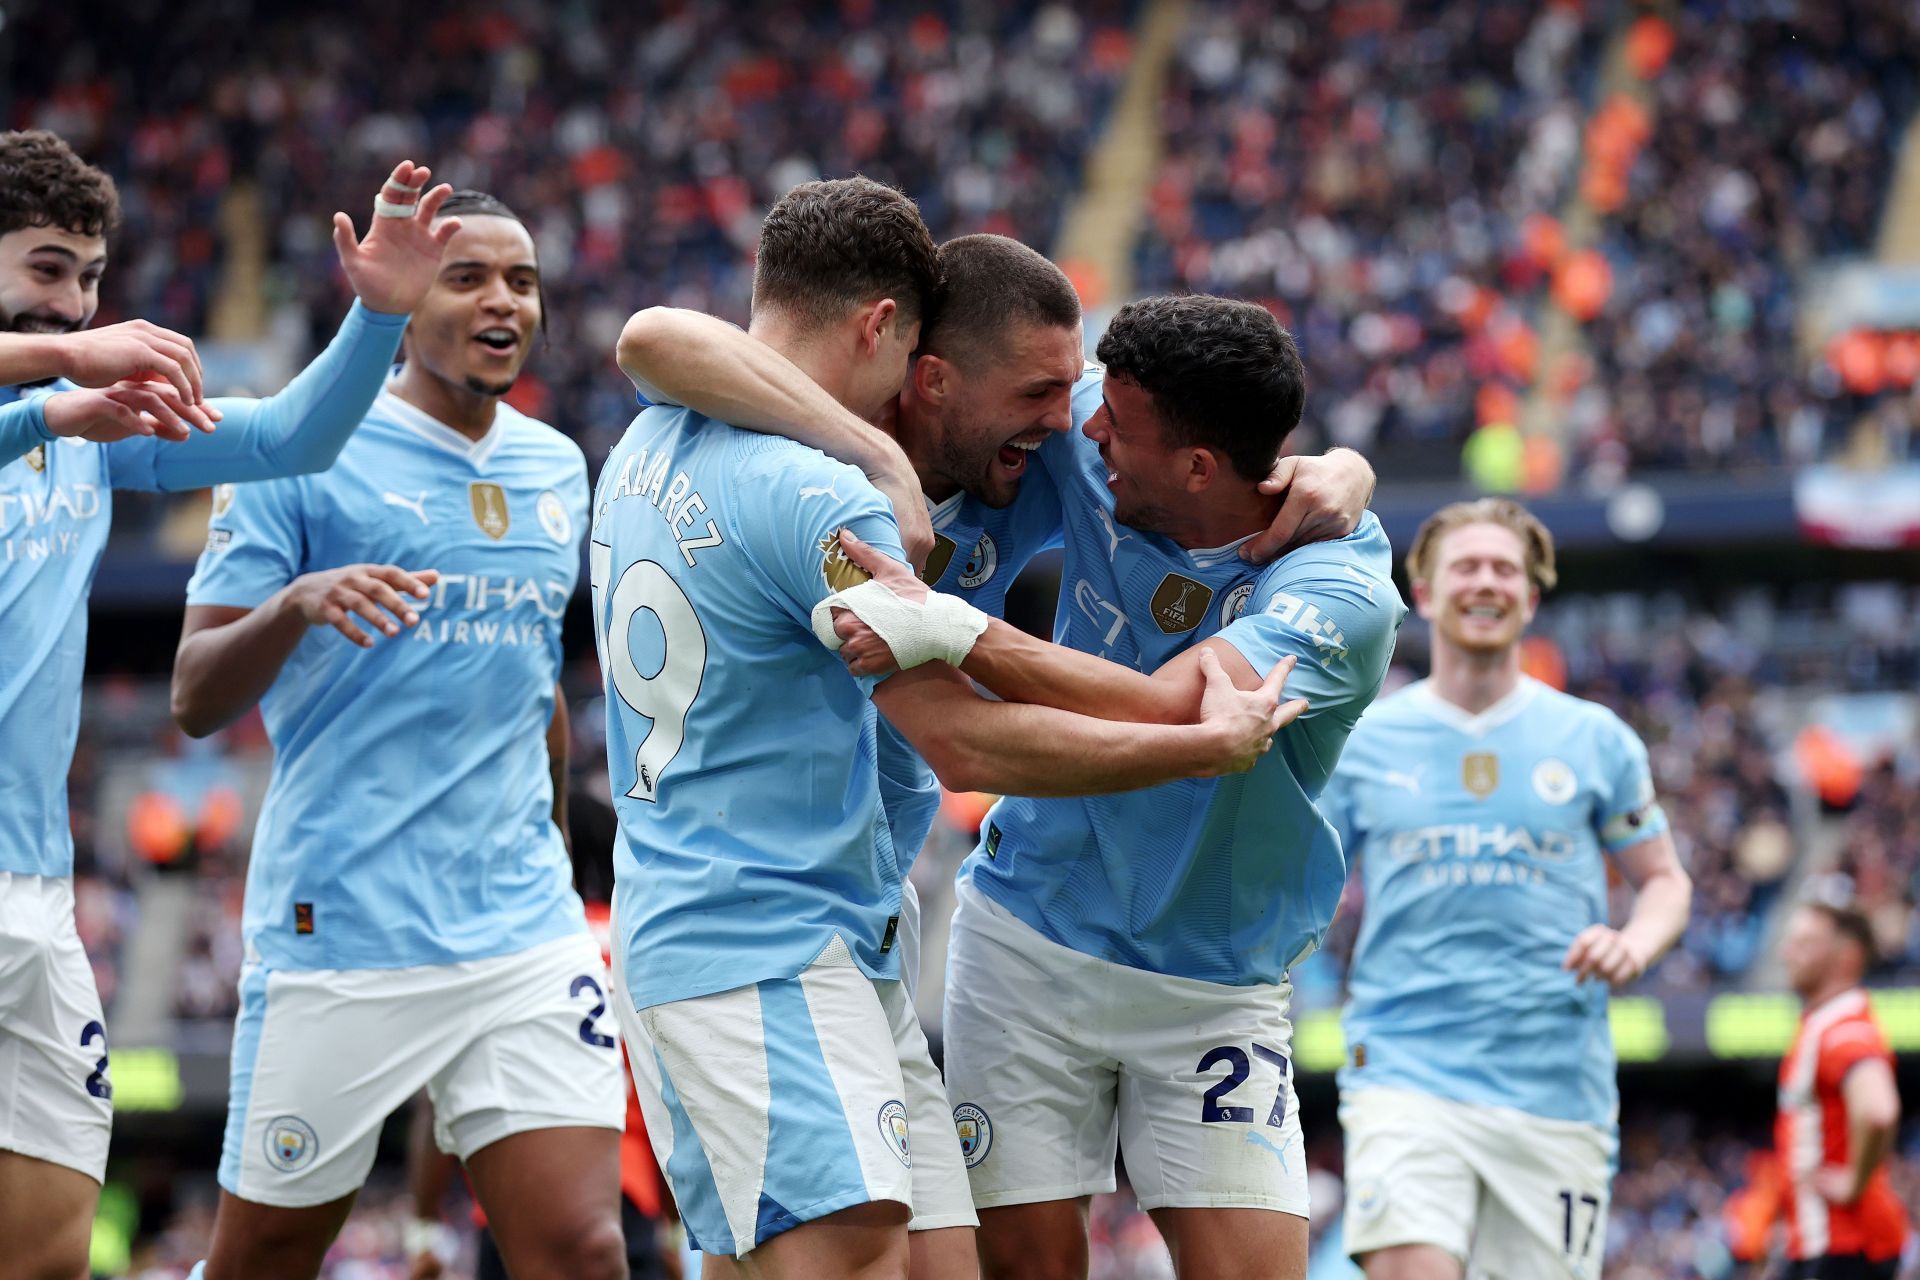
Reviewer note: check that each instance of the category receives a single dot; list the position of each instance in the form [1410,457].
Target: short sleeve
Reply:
[1339,628]
[255,545]
[790,517]
[1847,1044]
[1627,811]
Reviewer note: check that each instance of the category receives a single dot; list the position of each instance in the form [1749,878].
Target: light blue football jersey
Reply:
[408,819]
[741,753]
[1225,880]
[55,505]
[1479,839]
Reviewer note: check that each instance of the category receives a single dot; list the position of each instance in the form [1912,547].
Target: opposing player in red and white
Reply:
[1839,1107]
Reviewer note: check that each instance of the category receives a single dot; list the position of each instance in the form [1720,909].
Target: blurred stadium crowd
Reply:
[1402,182]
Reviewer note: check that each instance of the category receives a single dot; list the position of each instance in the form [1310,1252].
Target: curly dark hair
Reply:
[44,184]
[828,247]
[993,283]
[1223,374]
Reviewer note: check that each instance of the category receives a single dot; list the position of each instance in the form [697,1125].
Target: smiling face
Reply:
[1150,473]
[475,327]
[1479,596]
[49,279]
[996,413]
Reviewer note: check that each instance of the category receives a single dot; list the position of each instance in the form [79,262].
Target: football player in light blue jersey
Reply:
[55,504]
[410,920]
[787,1086]
[1478,1097]
[1116,969]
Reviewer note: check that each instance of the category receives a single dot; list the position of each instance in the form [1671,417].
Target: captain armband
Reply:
[1633,826]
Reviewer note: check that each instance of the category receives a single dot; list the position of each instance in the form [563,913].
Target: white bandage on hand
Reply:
[385,208]
[942,629]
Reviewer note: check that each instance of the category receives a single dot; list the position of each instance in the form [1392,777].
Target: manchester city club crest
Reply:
[1480,773]
[489,503]
[291,1143]
[1179,603]
[554,518]
[1553,781]
[976,1132]
[938,559]
[1235,604]
[981,564]
[893,1127]
[37,457]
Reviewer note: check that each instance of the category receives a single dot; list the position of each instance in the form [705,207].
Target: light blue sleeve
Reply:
[1627,811]
[1337,613]
[256,544]
[23,427]
[300,430]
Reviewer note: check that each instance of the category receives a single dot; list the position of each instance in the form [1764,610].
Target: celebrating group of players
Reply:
[391,552]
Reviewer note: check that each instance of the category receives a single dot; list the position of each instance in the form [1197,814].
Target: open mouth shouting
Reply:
[1014,453]
[499,342]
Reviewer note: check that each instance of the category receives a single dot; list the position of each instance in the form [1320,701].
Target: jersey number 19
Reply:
[665,696]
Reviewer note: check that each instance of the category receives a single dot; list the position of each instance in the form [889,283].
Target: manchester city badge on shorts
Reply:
[1368,1200]
[976,1132]
[291,1143]
[893,1127]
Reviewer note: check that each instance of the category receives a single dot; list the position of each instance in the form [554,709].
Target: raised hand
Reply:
[333,597]
[1247,720]
[392,269]
[135,407]
[132,350]
[1326,496]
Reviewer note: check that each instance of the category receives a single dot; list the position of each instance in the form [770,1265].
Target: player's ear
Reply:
[1203,469]
[1422,597]
[932,378]
[877,320]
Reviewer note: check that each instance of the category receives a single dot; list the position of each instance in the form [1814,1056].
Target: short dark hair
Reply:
[44,184]
[1850,922]
[1223,374]
[993,283]
[828,247]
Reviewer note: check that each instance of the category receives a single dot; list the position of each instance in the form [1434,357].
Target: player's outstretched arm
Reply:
[977,744]
[229,657]
[1326,496]
[676,356]
[1662,899]
[132,350]
[303,427]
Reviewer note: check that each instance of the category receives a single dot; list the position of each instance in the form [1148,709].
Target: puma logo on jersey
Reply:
[816,490]
[1411,781]
[416,505]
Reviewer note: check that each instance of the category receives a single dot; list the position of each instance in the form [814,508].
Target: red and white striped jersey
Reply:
[1811,1131]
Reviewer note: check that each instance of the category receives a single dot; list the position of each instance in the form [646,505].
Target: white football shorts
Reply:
[772,1105]
[1054,1058]
[56,1097]
[1514,1196]
[321,1057]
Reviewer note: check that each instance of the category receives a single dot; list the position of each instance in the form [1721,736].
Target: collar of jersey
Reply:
[941,513]
[1212,557]
[1478,725]
[435,432]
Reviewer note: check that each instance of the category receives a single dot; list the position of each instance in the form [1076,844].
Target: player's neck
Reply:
[1472,680]
[467,411]
[817,359]
[1225,514]
[1833,987]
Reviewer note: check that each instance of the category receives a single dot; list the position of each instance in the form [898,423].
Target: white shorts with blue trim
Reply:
[1055,1059]
[772,1105]
[1505,1192]
[56,1098]
[321,1057]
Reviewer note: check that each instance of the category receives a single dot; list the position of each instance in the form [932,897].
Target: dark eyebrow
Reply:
[473,264]
[1038,384]
[1108,406]
[61,250]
